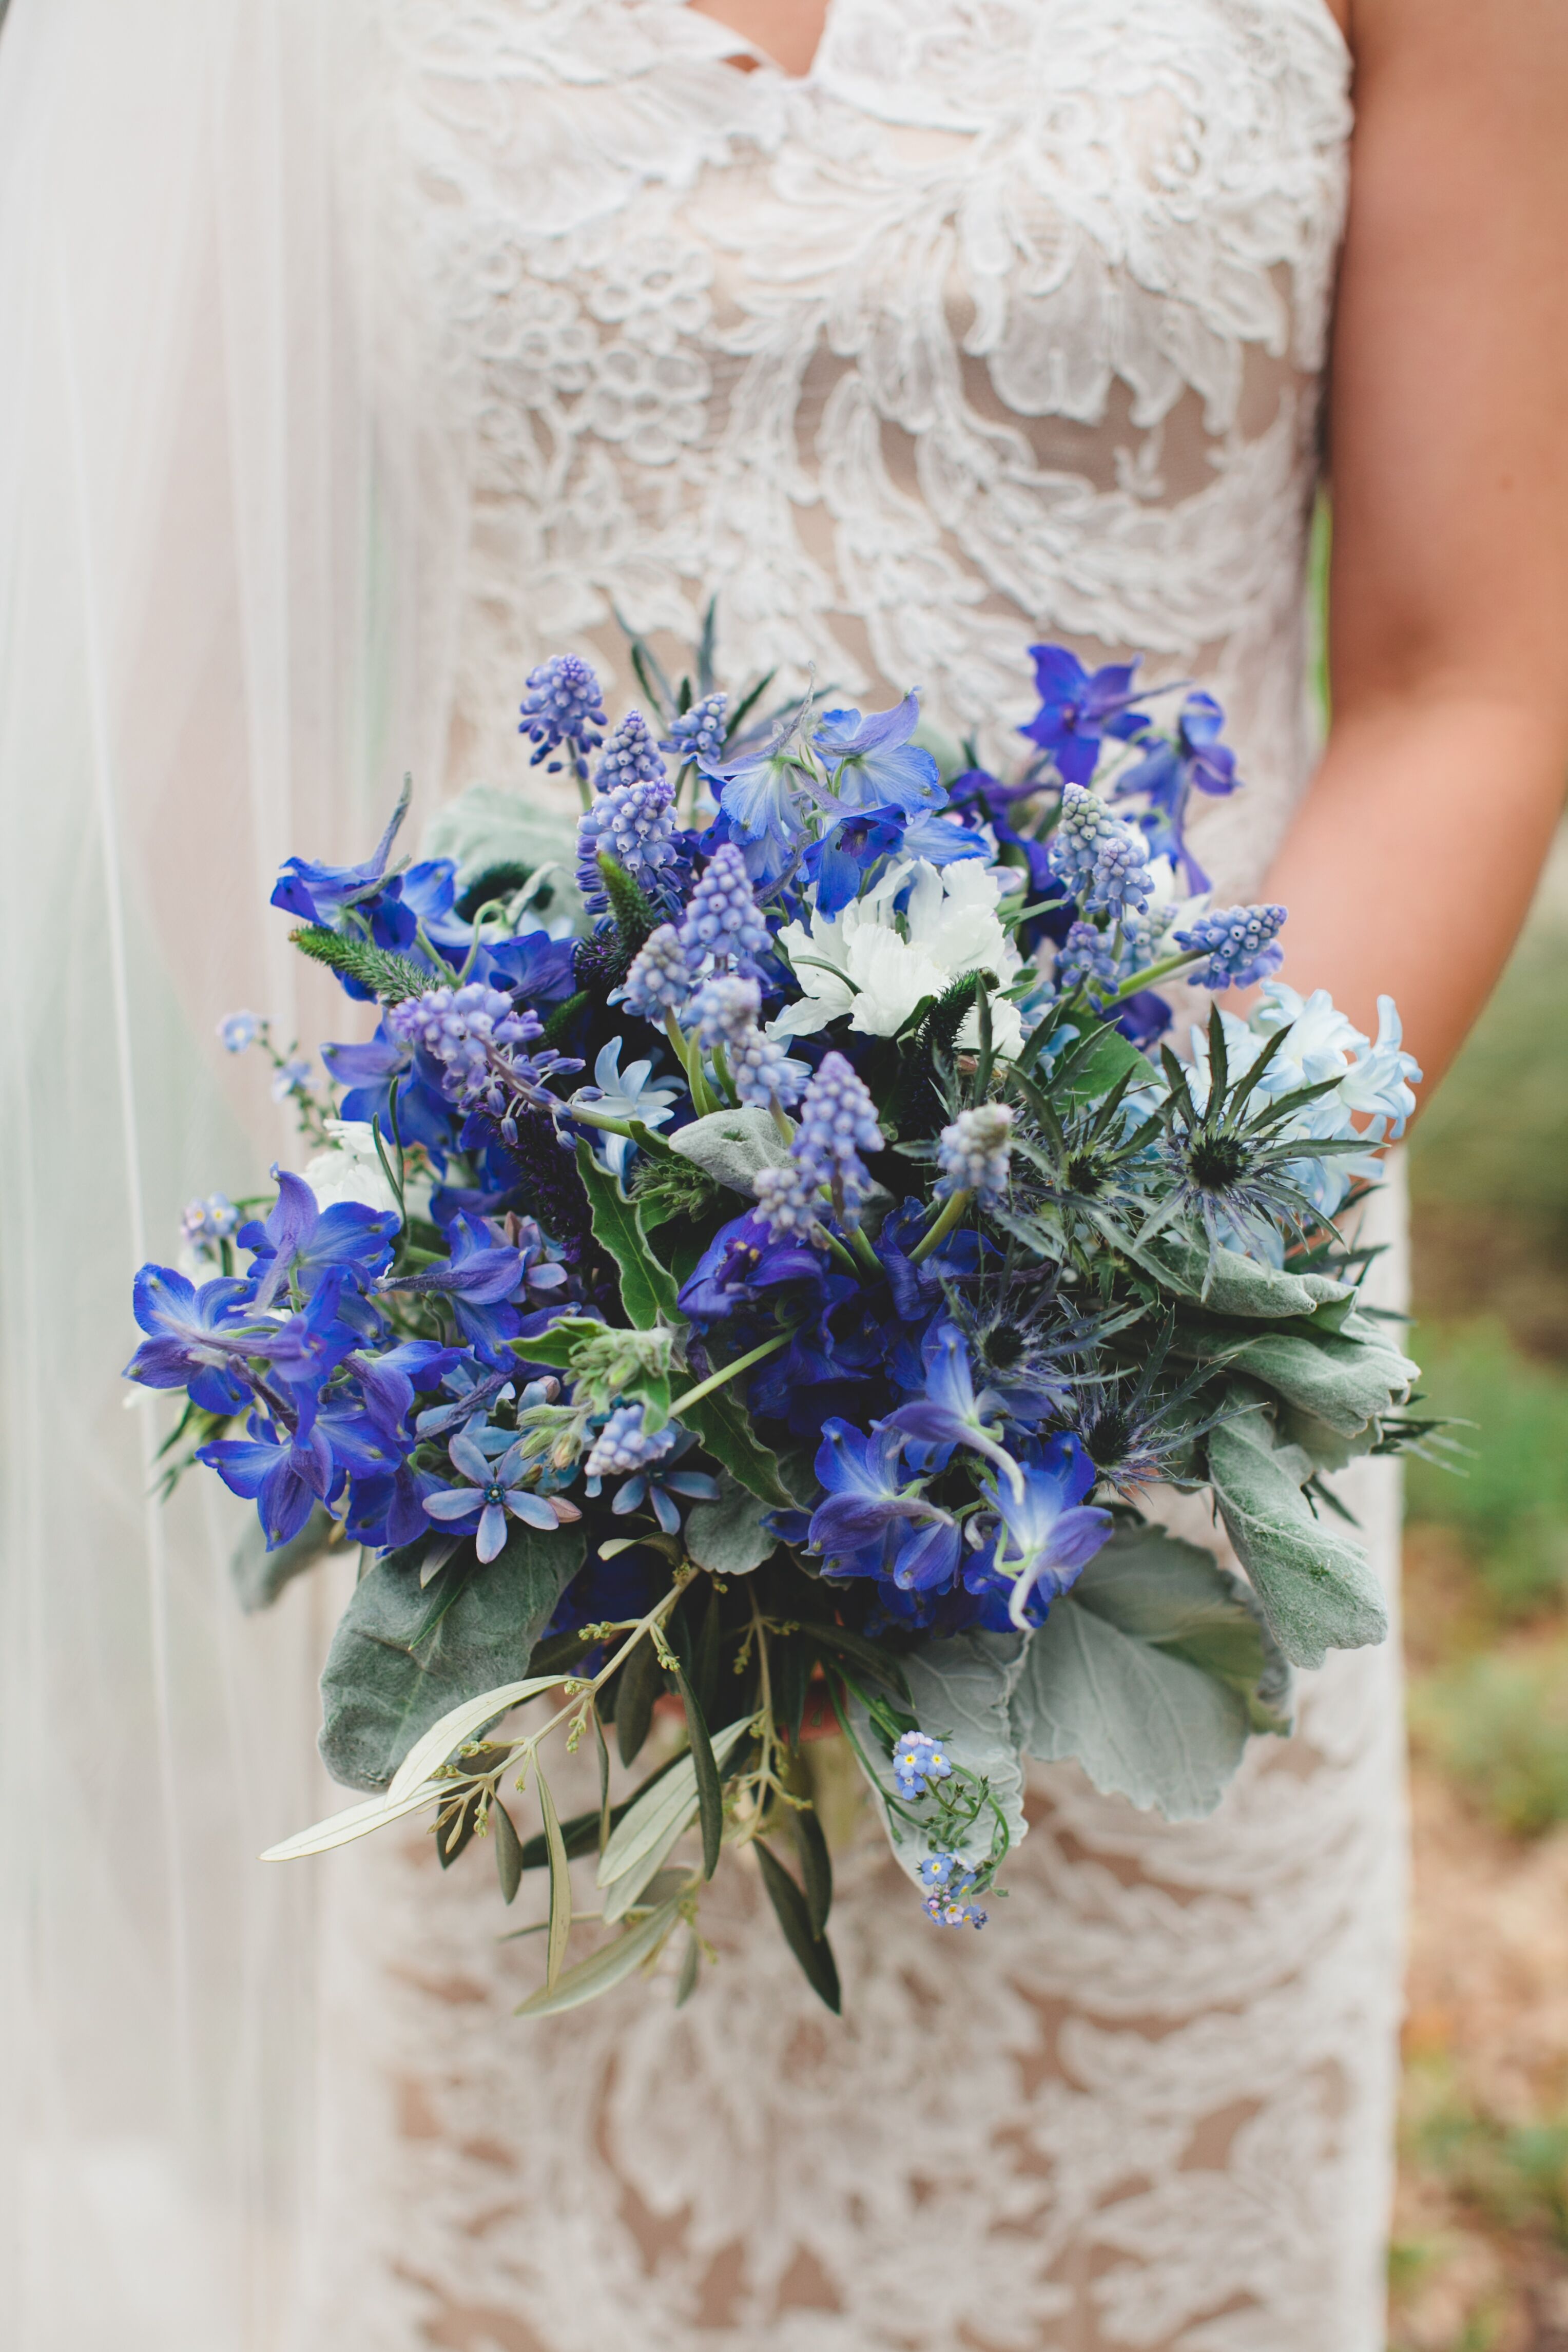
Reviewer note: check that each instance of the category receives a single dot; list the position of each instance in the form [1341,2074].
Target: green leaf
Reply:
[647,1288]
[1316,1589]
[259,1575]
[839,1642]
[811,1949]
[607,1968]
[1231,1284]
[634,917]
[508,1852]
[559,1884]
[1346,1382]
[390,979]
[710,1792]
[1151,1671]
[816,1868]
[1091,1066]
[403,1657]
[673,1798]
[731,1146]
[960,1690]
[640,1682]
[686,1983]
[728,1537]
[720,1421]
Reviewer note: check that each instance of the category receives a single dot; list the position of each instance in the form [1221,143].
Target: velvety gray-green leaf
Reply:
[486,827]
[958,1693]
[728,1537]
[1238,1286]
[1341,1382]
[731,1146]
[1316,1589]
[259,1575]
[1156,1589]
[403,1657]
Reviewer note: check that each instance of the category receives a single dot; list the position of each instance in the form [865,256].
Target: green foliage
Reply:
[390,979]
[666,1190]
[1317,1592]
[728,1537]
[647,1288]
[634,915]
[1498,1725]
[404,1655]
[1508,1504]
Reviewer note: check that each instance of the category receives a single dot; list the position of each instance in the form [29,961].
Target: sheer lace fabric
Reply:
[1007,320]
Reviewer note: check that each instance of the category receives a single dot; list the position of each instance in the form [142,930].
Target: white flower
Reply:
[625,1094]
[876,965]
[351,1171]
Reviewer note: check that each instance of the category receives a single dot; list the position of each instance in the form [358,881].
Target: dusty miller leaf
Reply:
[1316,1589]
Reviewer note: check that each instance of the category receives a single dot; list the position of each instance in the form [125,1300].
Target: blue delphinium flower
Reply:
[626,1094]
[563,708]
[876,1521]
[1100,861]
[636,825]
[319,893]
[698,733]
[196,1339]
[660,980]
[284,1472]
[973,1153]
[1241,942]
[1048,1533]
[722,922]
[1167,775]
[301,1243]
[491,1463]
[872,761]
[1079,708]
[949,1412]
[759,799]
[918,1763]
[239,1030]
[742,1269]
[480,1279]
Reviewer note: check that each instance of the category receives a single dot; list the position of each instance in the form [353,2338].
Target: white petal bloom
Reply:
[876,965]
[351,1171]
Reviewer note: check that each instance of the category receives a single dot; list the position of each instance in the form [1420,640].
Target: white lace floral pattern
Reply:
[1007,320]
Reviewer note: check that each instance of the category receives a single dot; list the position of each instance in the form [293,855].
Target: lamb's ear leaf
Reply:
[1151,1671]
[959,1691]
[403,1656]
[1350,1383]
[728,1536]
[1316,1589]
[647,1288]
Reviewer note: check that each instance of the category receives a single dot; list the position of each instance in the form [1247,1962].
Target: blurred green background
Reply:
[1480,2263]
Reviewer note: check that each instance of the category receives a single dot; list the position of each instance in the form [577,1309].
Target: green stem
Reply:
[721,1067]
[1157,972]
[863,1249]
[954,1211]
[727,1372]
[825,1240]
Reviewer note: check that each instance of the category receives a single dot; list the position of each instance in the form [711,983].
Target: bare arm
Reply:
[1411,864]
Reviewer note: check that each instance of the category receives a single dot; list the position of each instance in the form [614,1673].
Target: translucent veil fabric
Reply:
[211,653]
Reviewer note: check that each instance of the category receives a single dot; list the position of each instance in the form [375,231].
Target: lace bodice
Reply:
[1007,320]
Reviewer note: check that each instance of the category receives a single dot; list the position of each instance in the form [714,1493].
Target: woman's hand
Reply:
[1411,864]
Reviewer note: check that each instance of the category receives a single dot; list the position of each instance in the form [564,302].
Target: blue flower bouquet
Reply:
[753,1277]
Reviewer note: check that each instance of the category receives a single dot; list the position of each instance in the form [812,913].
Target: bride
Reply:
[354,359]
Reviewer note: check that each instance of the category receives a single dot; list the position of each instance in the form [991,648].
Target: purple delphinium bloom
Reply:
[721,919]
[1167,775]
[873,761]
[1078,708]
[1048,1533]
[196,1339]
[491,1463]
[563,708]
[480,1280]
[741,1268]
[374,1071]
[843,860]
[759,797]
[1242,943]
[875,1522]
[302,1242]
[284,1473]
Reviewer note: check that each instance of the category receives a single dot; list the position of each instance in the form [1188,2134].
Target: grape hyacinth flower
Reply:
[725,1010]
[786,1201]
[636,825]
[973,1153]
[624,1445]
[629,757]
[563,705]
[660,980]
[838,1123]
[460,1027]
[722,919]
[1242,943]
[239,1030]
[918,1763]
[1100,861]
[698,733]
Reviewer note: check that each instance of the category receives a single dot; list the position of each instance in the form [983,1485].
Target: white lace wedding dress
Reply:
[1007,320]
